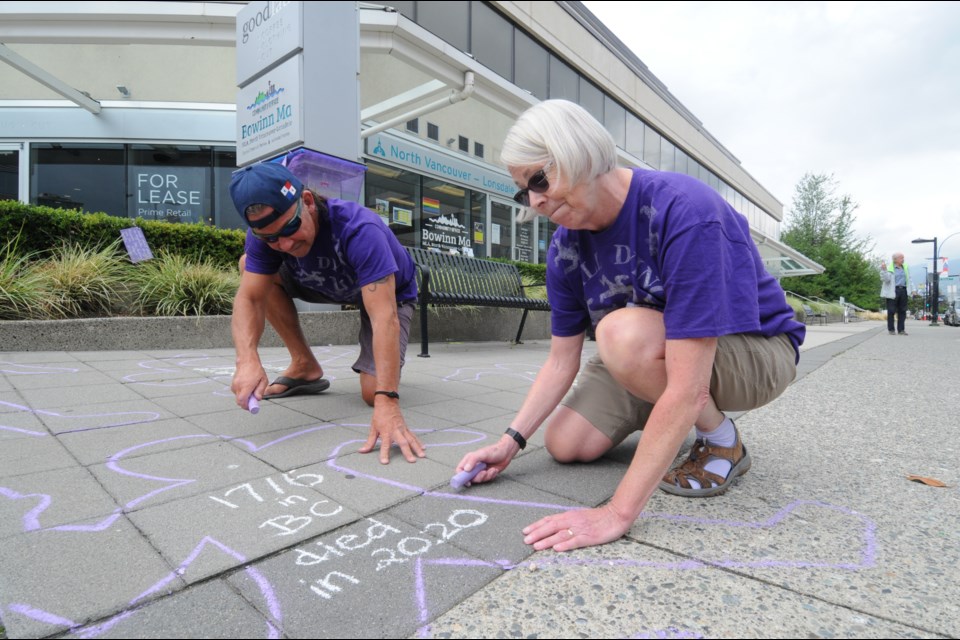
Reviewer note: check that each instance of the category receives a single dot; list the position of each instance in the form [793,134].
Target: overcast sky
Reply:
[866,91]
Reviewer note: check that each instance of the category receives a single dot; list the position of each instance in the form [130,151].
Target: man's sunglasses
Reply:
[538,184]
[292,226]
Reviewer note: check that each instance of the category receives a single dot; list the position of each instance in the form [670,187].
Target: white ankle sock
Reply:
[723,436]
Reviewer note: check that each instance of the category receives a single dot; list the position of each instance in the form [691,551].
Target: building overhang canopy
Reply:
[783,261]
[382,30]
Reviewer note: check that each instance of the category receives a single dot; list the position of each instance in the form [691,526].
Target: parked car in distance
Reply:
[950,317]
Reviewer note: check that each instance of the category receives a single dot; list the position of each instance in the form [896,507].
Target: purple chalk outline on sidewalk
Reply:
[40,615]
[867,560]
[332,462]
[266,590]
[33,369]
[192,362]
[146,416]
[160,366]
[526,372]
[31,522]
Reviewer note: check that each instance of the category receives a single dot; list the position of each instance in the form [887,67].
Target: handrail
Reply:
[815,299]
[797,295]
[819,300]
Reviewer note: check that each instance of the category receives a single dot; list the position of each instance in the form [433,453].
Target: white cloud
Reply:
[869,92]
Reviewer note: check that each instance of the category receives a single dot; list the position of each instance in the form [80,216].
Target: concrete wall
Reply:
[449,324]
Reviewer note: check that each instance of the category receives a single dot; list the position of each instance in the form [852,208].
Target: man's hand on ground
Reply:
[389,426]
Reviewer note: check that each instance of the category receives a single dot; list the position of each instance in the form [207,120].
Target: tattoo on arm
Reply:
[373,285]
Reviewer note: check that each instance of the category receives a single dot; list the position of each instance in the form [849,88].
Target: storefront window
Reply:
[501,230]
[9,174]
[545,233]
[225,215]
[170,183]
[89,177]
[431,213]
[393,194]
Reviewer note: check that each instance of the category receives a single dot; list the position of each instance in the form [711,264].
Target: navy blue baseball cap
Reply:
[267,183]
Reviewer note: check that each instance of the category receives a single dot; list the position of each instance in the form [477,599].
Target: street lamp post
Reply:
[935,301]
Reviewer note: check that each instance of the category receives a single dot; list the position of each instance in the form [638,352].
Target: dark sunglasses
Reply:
[292,226]
[538,184]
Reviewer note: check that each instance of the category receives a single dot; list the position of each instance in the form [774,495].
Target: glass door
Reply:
[501,229]
[9,172]
[508,238]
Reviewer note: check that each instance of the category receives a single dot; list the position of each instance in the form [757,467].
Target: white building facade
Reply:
[131,108]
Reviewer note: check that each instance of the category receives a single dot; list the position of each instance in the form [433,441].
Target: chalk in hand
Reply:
[464,477]
[253,405]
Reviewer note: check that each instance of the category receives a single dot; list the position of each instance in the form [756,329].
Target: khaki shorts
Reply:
[749,371]
[365,363]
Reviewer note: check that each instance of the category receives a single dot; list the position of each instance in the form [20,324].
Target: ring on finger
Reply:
[570,531]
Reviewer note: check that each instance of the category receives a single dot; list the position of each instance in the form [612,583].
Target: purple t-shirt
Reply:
[353,248]
[678,247]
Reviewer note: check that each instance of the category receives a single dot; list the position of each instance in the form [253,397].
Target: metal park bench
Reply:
[447,279]
[809,315]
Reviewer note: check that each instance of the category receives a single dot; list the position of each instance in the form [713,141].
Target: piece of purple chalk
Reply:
[253,405]
[464,477]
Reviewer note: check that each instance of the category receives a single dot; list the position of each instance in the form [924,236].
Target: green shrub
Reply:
[87,281]
[534,288]
[532,273]
[174,285]
[43,229]
[24,293]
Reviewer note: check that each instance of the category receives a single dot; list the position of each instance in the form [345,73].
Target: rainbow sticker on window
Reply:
[430,205]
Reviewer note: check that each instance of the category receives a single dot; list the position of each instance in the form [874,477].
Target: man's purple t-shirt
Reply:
[678,247]
[353,248]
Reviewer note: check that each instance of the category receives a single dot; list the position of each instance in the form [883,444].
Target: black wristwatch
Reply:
[516,436]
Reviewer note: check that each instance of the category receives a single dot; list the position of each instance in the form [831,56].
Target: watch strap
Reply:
[516,436]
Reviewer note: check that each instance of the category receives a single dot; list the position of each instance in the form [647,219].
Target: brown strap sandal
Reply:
[677,481]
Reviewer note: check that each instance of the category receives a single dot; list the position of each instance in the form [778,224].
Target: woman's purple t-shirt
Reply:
[678,247]
[353,248]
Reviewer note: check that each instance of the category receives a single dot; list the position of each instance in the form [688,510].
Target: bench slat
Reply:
[456,279]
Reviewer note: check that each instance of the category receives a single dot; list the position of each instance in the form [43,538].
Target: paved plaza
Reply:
[136,500]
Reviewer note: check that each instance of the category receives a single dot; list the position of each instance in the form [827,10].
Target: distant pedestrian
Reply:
[894,279]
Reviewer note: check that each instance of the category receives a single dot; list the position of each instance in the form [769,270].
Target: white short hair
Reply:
[566,134]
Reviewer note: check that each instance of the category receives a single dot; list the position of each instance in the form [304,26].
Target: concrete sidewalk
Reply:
[136,500]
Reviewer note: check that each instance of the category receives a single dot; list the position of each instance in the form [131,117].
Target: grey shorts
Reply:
[749,371]
[365,363]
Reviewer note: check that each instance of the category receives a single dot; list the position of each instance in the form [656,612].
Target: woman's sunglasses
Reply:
[538,184]
[292,226]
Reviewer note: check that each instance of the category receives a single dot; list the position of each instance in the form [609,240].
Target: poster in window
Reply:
[383,209]
[524,246]
[430,206]
[169,194]
[477,233]
[445,232]
[403,216]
